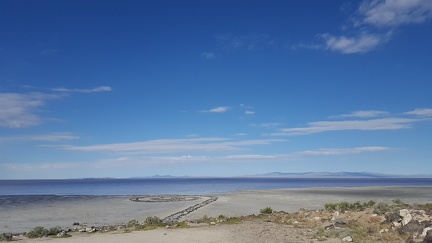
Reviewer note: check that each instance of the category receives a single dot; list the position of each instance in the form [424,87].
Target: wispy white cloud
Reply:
[268,124]
[208,55]
[249,42]
[51,137]
[219,109]
[18,110]
[393,13]
[373,23]
[21,110]
[391,122]
[93,90]
[145,161]
[325,126]
[364,114]
[341,151]
[248,112]
[359,43]
[40,166]
[423,112]
[174,145]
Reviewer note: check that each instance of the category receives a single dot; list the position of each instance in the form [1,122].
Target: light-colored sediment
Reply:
[115,210]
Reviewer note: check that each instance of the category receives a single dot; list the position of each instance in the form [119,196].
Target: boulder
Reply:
[426,231]
[428,238]
[410,228]
[393,217]
[406,219]
[403,212]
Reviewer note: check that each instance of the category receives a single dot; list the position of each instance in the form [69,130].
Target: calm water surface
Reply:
[152,186]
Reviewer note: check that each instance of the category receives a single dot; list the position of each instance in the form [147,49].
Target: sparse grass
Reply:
[267,210]
[132,223]
[233,220]
[382,208]
[346,206]
[153,221]
[204,219]
[37,232]
[182,224]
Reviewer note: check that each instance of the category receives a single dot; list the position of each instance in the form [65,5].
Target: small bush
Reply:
[221,217]
[370,204]
[132,223]
[382,208]
[37,232]
[54,231]
[205,219]
[5,237]
[153,221]
[267,210]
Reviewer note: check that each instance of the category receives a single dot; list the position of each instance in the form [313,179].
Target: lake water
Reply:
[187,186]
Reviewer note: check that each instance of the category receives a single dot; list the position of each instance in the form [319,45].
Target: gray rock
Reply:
[393,217]
[411,227]
[406,219]
[426,231]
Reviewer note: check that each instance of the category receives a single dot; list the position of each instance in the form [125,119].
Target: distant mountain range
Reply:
[342,174]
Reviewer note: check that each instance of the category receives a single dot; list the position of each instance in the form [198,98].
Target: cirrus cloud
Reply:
[372,25]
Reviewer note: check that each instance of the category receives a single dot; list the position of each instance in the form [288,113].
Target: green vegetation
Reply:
[204,219]
[40,231]
[267,210]
[153,221]
[182,224]
[5,237]
[345,206]
[382,208]
[233,220]
[132,223]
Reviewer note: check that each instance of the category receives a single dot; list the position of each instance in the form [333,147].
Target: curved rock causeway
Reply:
[176,198]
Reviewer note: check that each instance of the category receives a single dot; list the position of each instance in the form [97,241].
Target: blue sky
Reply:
[214,88]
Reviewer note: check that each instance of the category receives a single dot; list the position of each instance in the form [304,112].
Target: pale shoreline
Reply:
[103,211]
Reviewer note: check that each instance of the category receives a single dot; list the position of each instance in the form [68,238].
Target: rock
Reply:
[75,223]
[347,239]
[212,223]
[331,226]
[428,238]
[406,219]
[396,224]
[383,231]
[340,224]
[393,217]
[403,212]
[426,231]
[410,228]
[61,234]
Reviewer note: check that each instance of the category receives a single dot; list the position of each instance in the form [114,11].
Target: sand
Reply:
[99,211]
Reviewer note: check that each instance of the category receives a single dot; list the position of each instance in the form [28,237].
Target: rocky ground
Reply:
[337,222]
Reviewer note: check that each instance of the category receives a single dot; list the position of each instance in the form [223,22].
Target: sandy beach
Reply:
[103,211]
